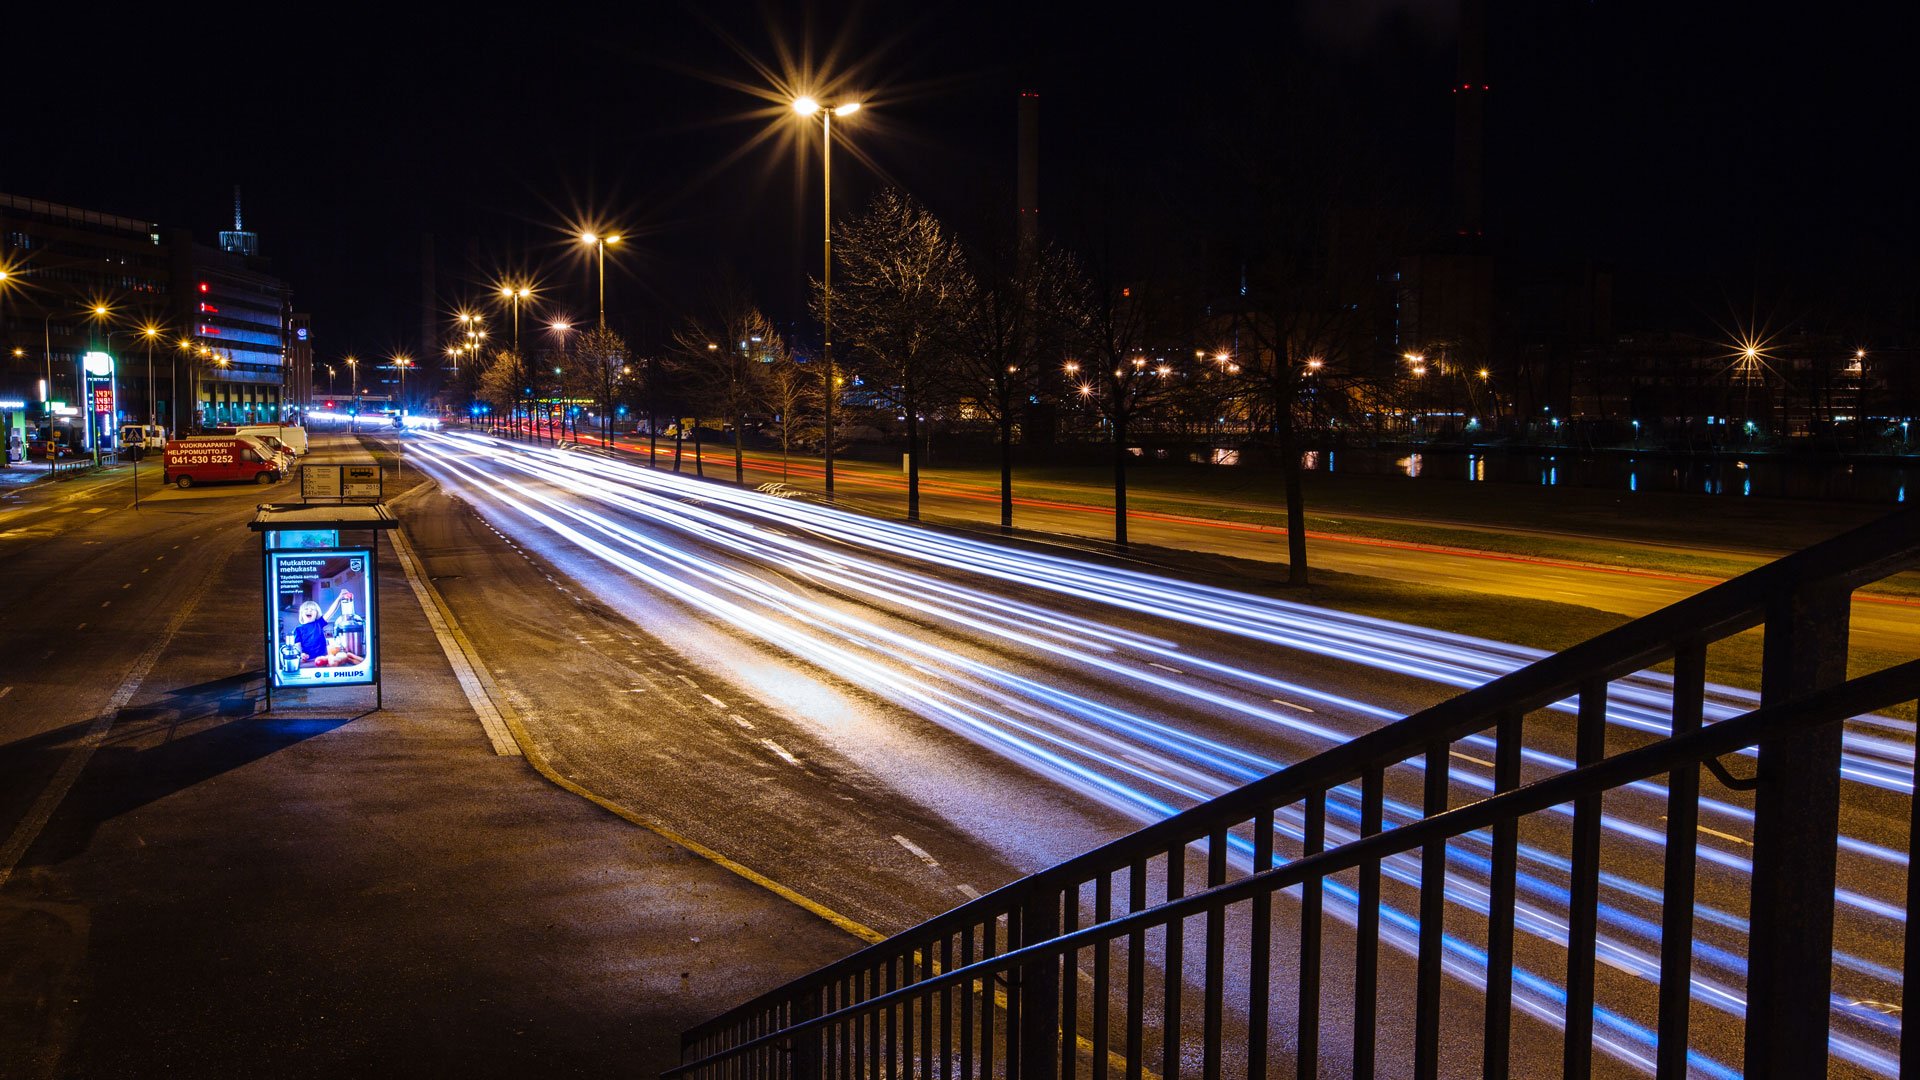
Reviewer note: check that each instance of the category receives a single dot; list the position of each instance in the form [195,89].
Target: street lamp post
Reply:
[807,106]
[561,328]
[600,251]
[353,411]
[514,294]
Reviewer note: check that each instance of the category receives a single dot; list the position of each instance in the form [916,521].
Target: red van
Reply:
[199,461]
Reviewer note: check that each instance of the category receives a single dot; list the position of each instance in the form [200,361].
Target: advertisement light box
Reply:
[321,623]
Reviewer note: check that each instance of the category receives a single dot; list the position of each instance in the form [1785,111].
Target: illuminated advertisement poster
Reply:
[320,617]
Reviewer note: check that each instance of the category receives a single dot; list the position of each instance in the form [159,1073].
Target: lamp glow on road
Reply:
[1139,764]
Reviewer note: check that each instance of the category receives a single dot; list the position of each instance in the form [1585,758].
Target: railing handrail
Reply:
[1833,705]
[1867,553]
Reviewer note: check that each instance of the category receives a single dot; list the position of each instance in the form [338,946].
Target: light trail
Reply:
[1074,738]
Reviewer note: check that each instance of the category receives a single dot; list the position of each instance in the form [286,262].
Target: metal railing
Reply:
[1120,962]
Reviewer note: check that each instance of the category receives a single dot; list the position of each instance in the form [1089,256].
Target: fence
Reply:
[1157,952]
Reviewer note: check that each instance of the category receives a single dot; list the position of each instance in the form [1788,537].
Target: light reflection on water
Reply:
[1783,477]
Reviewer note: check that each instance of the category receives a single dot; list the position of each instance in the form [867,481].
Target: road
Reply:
[889,719]
[1880,623]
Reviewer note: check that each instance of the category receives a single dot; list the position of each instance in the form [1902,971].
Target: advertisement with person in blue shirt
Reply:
[320,624]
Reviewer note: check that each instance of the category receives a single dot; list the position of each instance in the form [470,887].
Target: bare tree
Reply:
[503,384]
[1119,375]
[604,363]
[722,356]
[897,297]
[1302,200]
[1008,308]
[791,392]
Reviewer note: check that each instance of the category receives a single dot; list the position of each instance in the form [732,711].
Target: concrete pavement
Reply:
[334,891]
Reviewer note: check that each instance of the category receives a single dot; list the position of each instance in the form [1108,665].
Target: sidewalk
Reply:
[334,892]
[21,473]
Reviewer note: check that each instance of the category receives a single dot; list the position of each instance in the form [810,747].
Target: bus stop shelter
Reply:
[320,591]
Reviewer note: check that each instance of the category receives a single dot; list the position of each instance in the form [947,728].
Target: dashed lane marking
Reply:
[716,701]
[743,721]
[1164,667]
[967,891]
[1470,757]
[1729,837]
[781,750]
[5,690]
[82,626]
[1289,704]
[688,681]
[918,851]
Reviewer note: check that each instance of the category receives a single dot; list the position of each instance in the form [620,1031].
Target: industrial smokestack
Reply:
[1470,91]
[429,297]
[1028,188]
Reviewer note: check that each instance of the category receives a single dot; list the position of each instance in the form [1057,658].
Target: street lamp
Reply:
[353,375]
[807,106]
[401,362]
[513,294]
[600,250]
[150,332]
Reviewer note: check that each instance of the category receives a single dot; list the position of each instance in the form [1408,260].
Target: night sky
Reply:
[1719,159]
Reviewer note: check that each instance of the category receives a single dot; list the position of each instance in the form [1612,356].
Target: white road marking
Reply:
[968,891]
[1164,667]
[463,667]
[743,721]
[1470,757]
[717,702]
[1716,832]
[918,851]
[106,603]
[82,626]
[128,585]
[688,681]
[1289,704]
[636,690]
[781,750]
[5,690]
[98,510]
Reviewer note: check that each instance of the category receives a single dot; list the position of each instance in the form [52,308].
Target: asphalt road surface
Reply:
[889,720]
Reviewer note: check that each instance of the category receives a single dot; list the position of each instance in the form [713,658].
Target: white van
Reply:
[142,439]
[293,435]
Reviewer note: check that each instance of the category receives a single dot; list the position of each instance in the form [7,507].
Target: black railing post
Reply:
[804,1063]
[1039,990]
[1683,838]
[1796,825]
